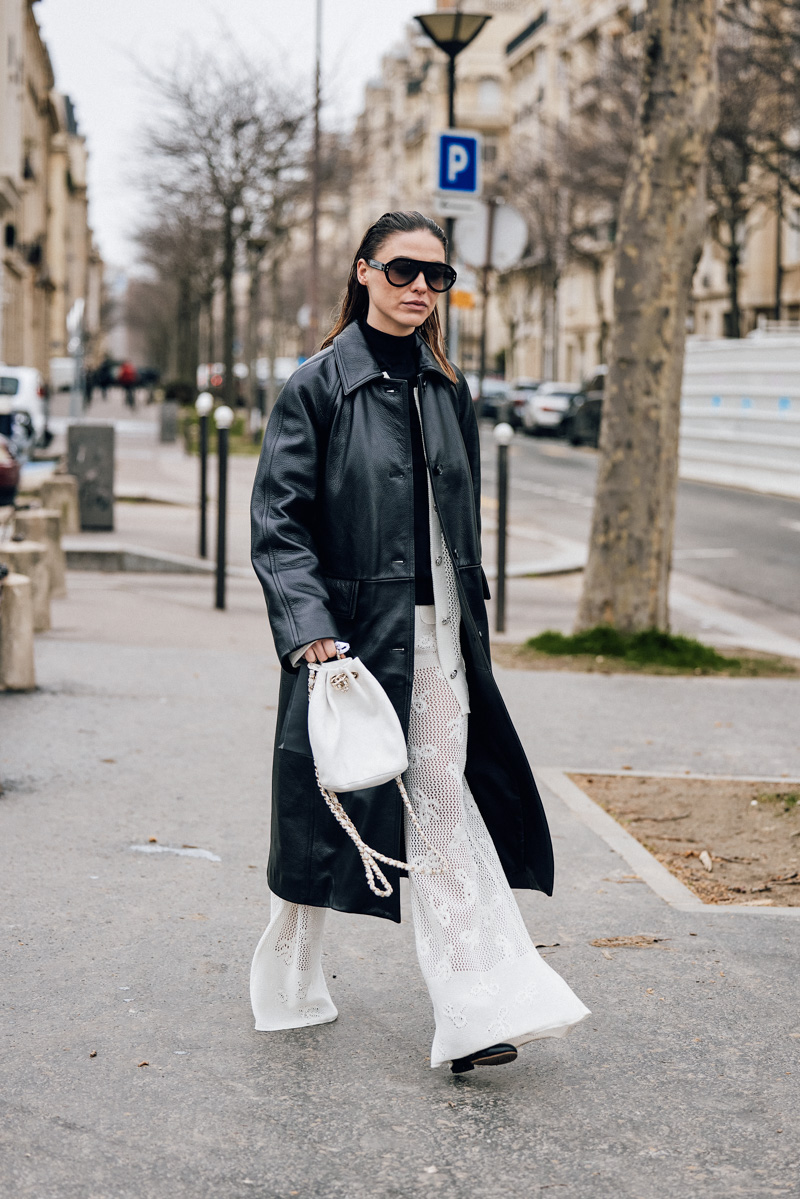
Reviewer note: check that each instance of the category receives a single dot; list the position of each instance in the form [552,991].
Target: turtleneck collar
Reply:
[397,355]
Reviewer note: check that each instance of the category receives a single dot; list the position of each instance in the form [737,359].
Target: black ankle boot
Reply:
[495,1055]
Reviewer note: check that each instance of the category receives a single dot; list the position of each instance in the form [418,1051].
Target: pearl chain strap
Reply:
[370,857]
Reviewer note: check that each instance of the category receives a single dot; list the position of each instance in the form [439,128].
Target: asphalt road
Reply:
[739,540]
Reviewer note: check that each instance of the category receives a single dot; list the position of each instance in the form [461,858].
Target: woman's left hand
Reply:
[320,651]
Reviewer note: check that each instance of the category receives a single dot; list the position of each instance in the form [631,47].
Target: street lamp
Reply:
[452,31]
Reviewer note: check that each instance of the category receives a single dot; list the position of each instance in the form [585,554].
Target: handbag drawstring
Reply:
[370,857]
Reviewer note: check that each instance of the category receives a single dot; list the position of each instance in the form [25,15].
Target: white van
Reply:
[23,391]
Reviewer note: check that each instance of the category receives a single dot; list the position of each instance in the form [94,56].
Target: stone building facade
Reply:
[48,255]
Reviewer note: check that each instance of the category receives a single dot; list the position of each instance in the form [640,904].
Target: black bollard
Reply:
[204,403]
[223,418]
[503,435]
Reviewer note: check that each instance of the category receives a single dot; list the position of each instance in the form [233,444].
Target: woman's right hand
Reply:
[320,651]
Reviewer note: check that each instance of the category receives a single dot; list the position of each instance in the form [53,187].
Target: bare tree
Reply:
[222,133]
[745,164]
[662,219]
[568,183]
[597,147]
[179,246]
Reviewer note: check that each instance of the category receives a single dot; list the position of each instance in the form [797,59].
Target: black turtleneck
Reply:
[398,356]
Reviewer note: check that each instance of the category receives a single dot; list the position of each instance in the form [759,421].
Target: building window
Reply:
[490,96]
[793,236]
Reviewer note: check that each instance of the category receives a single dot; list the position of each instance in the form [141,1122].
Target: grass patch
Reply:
[649,648]
[789,799]
[607,651]
[240,441]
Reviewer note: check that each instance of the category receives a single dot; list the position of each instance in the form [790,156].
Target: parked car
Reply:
[546,407]
[494,398]
[9,470]
[25,387]
[581,423]
[521,392]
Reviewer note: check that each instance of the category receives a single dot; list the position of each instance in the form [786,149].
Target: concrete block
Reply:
[170,411]
[61,492]
[17,670]
[44,524]
[29,558]
[90,458]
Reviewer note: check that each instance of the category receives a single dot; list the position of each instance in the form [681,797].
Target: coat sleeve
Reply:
[283,518]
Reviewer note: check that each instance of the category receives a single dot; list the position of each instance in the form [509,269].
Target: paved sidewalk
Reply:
[154,718]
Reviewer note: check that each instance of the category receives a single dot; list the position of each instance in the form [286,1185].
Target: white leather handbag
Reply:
[357,741]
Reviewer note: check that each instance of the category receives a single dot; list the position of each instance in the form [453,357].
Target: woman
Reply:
[366,528]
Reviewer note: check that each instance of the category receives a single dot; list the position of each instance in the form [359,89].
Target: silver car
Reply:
[545,408]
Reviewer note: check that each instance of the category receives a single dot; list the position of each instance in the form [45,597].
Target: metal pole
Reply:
[503,436]
[313,283]
[450,225]
[223,418]
[203,405]
[502,519]
[222,503]
[203,484]
[491,205]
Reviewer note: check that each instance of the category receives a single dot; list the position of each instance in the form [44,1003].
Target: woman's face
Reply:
[401,310]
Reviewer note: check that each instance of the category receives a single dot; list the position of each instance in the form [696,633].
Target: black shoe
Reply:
[495,1055]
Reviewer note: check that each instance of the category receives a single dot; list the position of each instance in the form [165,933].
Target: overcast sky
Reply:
[95,46]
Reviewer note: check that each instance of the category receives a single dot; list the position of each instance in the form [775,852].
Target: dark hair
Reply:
[355,302]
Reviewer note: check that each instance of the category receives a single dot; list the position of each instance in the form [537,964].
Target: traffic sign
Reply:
[455,206]
[509,237]
[458,163]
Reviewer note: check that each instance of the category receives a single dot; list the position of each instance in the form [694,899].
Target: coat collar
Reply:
[356,363]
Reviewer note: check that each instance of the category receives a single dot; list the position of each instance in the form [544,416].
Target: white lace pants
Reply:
[486,980]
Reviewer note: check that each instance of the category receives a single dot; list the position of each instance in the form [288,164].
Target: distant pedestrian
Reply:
[128,378]
[366,528]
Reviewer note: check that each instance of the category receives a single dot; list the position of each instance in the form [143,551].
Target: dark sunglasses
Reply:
[402,271]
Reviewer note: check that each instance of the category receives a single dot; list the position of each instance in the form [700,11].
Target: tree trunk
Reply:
[275,299]
[229,324]
[185,355]
[598,271]
[253,315]
[211,349]
[733,279]
[660,235]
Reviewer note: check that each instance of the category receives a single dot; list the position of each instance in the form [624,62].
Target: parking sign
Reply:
[458,157]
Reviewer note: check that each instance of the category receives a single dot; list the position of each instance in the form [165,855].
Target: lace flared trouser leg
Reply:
[485,978]
[287,986]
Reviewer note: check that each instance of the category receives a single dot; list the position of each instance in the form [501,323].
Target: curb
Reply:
[648,868]
[138,560]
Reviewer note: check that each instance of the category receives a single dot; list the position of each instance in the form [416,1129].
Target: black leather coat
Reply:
[333,547]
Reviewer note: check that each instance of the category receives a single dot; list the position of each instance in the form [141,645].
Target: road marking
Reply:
[184,852]
[790,524]
[708,552]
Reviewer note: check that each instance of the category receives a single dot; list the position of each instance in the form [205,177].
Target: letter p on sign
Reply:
[457,161]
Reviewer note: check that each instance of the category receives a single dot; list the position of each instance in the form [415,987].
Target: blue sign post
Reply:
[458,171]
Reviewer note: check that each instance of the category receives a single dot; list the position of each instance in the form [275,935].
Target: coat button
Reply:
[446,620]
[455,553]
[438,561]
[438,470]
[453,674]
